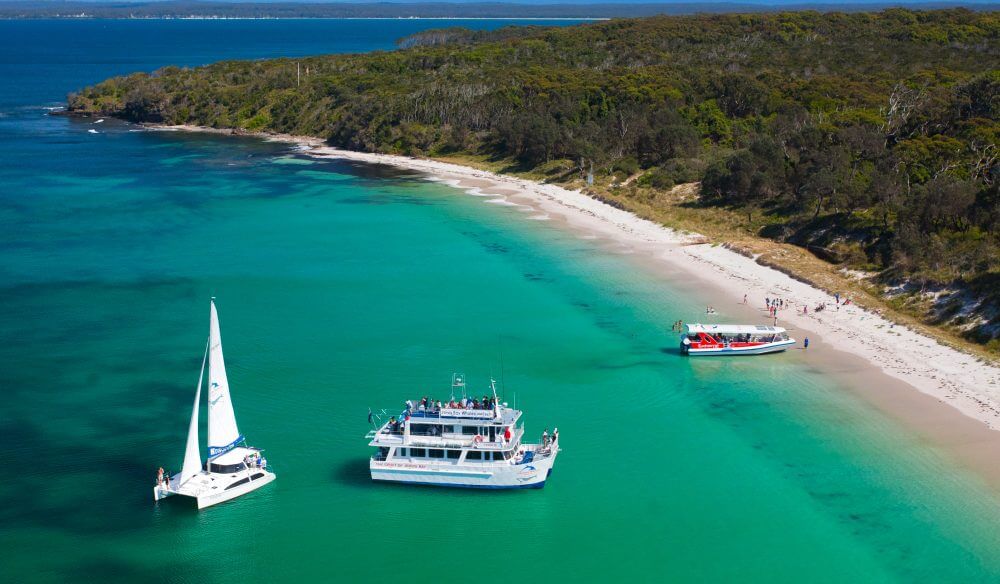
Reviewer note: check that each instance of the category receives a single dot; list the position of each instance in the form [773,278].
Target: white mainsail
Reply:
[192,454]
[222,430]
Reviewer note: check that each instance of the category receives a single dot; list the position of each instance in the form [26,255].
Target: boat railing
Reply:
[447,440]
[480,415]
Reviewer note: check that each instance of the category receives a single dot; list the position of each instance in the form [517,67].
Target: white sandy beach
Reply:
[941,372]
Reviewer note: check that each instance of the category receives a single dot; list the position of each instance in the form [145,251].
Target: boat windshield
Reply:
[226,468]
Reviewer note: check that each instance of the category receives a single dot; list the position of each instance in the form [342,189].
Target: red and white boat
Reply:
[734,339]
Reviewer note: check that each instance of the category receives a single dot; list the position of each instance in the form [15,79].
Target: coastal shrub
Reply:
[657,178]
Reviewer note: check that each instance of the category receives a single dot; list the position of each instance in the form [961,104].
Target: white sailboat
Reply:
[232,468]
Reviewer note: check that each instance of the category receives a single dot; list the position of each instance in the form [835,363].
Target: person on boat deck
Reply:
[393,424]
[166,479]
[463,402]
[159,477]
[263,462]
[555,435]
[545,437]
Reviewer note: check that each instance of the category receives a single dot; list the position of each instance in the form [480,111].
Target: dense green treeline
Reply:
[870,138]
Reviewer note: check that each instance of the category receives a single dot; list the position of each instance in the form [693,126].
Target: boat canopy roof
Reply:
[465,417]
[733,329]
[234,456]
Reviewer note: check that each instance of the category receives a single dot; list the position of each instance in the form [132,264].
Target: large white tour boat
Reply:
[232,468]
[733,339]
[465,442]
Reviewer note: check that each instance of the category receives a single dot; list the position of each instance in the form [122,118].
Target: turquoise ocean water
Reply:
[343,287]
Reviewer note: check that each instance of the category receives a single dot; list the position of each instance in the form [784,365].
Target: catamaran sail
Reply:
[223,434]
[192,453]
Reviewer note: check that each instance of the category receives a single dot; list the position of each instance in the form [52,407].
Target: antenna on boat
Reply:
[503,384]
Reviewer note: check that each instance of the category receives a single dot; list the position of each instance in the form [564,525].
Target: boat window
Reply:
[417,453]
[454,454]
[245,481]
[474,455]
[470,430]
[424,430]
[435,453]
[226,468]
[400,452]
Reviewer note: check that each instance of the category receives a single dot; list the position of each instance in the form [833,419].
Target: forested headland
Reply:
[870,139]
[171,9]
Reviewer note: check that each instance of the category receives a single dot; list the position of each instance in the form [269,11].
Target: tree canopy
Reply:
[879,129]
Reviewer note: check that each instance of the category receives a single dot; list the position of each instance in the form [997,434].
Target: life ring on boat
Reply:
[478,439]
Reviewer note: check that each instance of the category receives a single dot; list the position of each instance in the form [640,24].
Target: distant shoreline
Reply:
[535,18]
[496,10]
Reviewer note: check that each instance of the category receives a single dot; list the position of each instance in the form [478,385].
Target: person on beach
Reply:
[805,343]
[744,299]
[836,297]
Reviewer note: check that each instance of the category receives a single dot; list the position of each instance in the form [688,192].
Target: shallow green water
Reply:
[344,287]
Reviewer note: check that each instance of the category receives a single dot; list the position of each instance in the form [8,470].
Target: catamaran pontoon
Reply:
[460,444]
[733,339]
[233,468]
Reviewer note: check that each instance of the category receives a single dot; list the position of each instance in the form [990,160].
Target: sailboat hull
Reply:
[208,489]
[205,501]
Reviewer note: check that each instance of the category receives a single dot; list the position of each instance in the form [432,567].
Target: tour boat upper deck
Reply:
[456,427]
